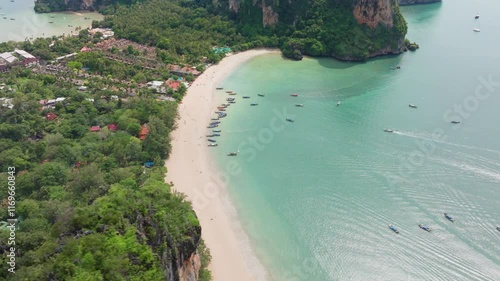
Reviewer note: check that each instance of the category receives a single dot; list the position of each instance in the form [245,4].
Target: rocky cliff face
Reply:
[412,2]
[328,27]
[179,259]
[373,13]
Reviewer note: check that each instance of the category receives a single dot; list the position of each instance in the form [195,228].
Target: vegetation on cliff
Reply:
[87,207]
[189,30]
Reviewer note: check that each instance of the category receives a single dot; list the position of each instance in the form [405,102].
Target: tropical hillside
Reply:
[345,29]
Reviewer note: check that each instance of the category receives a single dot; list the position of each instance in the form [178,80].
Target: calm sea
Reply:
[27,24]
[316,195]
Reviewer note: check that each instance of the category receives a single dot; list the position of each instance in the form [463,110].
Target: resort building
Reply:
[17,57]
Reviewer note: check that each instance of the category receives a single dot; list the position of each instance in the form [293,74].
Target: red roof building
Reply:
[112,127]
[95,128]
[50,116]
[144,132]
[174,85]
[85,49]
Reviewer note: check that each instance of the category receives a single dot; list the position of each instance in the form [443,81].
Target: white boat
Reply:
[477,30]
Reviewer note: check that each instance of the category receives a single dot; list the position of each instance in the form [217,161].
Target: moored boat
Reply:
[216,135]
[219,88]
[455,122]
[221,108]
[393,228]
[212,144]
[449,217]
[232,154]
[338,103]
[212,126]
[232,94]
[289,120]
[424,227]
[230,99]
[211,140]
[299,105]
[231,102]
[216,131]
[209,136]
[477,30]
[477,16]
[294,95]
[254,104]
[246,97]
[498,228]
[260,95]
[412,105]
[229,92]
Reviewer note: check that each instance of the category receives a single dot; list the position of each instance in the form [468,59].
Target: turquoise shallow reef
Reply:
[316,195]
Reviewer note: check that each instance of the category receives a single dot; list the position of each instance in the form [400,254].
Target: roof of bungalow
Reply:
[155,83]
[95,128]
[66,56]
[222,50]
[112,127]
[24,54]
[8,57]
[144,132]
[85,49]
[174,84]
[50,116]
[173,67]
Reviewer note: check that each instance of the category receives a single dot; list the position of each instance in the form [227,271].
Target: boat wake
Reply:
[413,135]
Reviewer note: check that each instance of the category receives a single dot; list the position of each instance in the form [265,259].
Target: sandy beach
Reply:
[192,172]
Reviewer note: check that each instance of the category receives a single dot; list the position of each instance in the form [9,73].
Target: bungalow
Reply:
[66,56]
[53,101]
[85,49]
[156,85]
[50,116]
[174,85]
[95,128]
[144,132]
[112,127]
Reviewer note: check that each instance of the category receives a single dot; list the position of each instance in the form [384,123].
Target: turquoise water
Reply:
[28,24]
[316,196]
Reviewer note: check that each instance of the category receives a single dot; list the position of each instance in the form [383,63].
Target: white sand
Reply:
[192,171]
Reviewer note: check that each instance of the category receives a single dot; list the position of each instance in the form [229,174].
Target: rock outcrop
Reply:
[179,259]
[413,2]
[373,13]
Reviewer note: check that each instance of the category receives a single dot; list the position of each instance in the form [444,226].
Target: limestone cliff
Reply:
[412,2]
[179,259]
[345,29]
[373,13]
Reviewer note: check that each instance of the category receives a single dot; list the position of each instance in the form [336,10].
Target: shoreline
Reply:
[193,172]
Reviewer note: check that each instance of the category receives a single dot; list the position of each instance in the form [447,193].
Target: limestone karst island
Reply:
[223,140]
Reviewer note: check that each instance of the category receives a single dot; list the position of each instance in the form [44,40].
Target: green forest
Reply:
[87,206]
[190,29]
